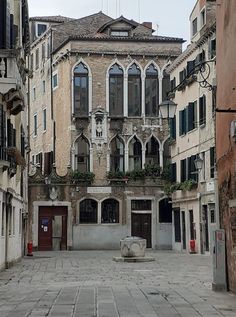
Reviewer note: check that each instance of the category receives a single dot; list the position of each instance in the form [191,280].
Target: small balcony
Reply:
[9,72]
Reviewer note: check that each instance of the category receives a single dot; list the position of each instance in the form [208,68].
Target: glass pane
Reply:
[134,70]
[152,152]
[135,154]
[116,96]
[152,71]
[116,70]
[110,211]
[117,155]
[165,86]
[82,155]
[88,211]
[81,95]
[134,96]
[152,97]
[81,69]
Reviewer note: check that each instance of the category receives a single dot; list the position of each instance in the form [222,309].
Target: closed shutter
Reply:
[173,128]
[183,170]
[173,172]
[202,110]
[190,120]
[190,67]
[184,121]
[180,123]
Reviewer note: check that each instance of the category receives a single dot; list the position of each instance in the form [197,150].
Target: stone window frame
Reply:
[143,143]
[109,153]
[99,211]
[160,152]
[143,79]
[90,86]
[73,150]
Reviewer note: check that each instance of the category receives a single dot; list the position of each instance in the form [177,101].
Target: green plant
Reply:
[85,177]
[166,172]
[152,170]
[188,184]
[116,175]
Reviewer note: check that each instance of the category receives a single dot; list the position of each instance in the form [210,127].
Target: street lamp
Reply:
[168,109]
[198,162]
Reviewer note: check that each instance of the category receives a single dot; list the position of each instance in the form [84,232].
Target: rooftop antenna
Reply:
[157,28]
[139,11]
[107,7]
[116,8]
[102,5]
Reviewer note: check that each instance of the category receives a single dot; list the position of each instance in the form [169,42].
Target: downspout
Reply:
[52,110]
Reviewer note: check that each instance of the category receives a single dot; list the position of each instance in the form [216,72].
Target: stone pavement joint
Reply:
[91,284]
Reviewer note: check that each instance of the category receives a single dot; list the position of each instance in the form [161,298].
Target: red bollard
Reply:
[30,248]
[192,246]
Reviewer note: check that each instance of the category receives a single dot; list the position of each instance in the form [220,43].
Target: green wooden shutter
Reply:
[180,123]
[173,128]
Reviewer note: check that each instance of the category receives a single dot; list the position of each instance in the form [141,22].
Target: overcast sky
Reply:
[172,16]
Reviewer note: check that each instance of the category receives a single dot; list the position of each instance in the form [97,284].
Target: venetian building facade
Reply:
[14,45]
[104,82]
[193,135]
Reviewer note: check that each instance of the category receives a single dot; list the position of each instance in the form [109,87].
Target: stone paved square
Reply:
[90,283]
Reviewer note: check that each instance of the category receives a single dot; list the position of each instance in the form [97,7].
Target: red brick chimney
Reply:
[148,24]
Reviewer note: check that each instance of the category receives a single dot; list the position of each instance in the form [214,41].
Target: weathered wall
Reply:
[225,145]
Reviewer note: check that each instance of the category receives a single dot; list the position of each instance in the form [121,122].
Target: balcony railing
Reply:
[9,72]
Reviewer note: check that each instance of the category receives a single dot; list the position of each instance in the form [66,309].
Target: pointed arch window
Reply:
[134,91]
[165,85]
[135,154]
[82,155]
[152,154]
[151,92]
[81,90]
[116,91]
[110,211]
[117,155]
[88,211]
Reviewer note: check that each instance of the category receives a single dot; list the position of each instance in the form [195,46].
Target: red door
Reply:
[45,233]
[52,232]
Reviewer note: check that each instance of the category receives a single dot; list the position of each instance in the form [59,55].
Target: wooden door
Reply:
[45,233]
[52,232]
[141,226]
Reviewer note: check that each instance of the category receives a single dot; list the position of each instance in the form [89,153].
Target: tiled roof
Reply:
[53,18]
[91,27]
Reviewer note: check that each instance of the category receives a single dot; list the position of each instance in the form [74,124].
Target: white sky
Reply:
[172,16]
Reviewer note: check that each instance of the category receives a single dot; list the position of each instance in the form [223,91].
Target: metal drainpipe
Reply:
[52,112]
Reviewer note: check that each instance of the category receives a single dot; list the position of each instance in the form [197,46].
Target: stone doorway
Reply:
[52,230]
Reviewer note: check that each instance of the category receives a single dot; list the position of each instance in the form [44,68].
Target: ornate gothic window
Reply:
[88,211]
[116,87]
[134,91]
[81,89]
[151,92]
[82,154]
[152,155]
[117,155]
[135,154]
[165,85]
[110,211]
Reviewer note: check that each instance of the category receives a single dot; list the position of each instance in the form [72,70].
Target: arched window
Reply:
[152,155]
[110,211]
[134,91]
[81,90]
[82,154]
[151,92]
[88,211]
[117,155]
[165,85]
[135,154]
[116,87]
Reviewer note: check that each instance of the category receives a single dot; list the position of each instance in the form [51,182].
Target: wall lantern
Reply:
[168,109]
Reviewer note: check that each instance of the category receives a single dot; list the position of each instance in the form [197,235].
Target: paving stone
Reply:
[90,283]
